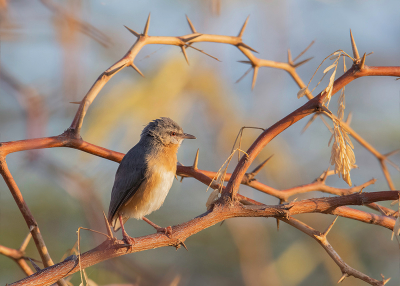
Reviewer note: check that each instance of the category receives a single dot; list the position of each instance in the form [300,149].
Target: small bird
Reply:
[145,175]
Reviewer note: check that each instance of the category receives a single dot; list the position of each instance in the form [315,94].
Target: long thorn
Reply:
[259,167]
[196,160]
[245,62]
[201,51]
[302,62]
[255,73]
[243,76]
[344,276]
[25,242]
[191,25]
[188,39]
[133,32]
[304,51]
[247,47]
[37,268]
[393,164]
[146,28]
[136,69]
[392,153]
[184,54]
[183,244]
[289,57]
[362,63]
[354,47]
[384,281]
[243,27]
[325,233]
[309,122]
[325,175]
[108,227]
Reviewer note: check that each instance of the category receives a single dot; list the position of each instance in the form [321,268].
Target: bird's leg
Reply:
[128,239]
[167,230]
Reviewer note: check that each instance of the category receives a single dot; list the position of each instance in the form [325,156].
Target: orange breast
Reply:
[153,191]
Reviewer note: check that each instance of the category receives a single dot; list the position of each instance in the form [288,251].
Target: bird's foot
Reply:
[130,241]
[167,230]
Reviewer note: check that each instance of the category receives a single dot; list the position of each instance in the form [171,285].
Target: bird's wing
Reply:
[129,177]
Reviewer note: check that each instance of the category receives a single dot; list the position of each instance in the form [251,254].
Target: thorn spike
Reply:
[196,160]
[191,25]
[184,245]
[385,280]
[325,175]
[184,54]
[354,47]
[392,153]
[146,28]
[37,268]
[136,69]
[362,63]
[25,242]
[243,27]
[243,76]
[309,123]
[344,276]
[325,233]
[262,165]
[186,40]
[133,32]
[289,57]
[302,62]
[247,47]
[304,51]
[255,73]
[201,51]
[108,227]
[245,62]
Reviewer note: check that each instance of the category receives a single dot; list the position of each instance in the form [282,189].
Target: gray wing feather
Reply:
[129,177]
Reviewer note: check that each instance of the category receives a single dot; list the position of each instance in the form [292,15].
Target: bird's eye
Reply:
[173,133]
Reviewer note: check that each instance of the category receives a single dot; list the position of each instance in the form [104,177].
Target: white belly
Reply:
[151,199]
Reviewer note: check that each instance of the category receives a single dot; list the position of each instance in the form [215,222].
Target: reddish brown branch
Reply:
[224,209]
[181,232]
[308,108]
[26,213]
[322,240]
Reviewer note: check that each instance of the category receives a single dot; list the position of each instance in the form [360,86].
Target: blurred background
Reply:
[53,51]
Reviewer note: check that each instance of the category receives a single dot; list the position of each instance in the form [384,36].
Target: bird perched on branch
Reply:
[145,175]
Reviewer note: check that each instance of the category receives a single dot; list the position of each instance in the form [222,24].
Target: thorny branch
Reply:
[230,204]
[221,211]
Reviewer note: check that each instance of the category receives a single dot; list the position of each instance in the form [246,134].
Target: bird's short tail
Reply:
[115,223]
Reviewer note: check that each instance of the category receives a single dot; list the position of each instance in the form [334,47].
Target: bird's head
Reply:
[166,131]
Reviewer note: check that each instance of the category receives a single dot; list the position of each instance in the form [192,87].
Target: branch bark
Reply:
[221,211]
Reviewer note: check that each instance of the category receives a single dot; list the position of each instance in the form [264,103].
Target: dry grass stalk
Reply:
[342,155]
[220,178]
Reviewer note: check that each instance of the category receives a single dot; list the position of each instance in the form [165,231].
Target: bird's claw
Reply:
[166,230]
[130,241]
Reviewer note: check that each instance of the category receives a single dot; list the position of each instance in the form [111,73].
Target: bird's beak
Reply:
[187,136]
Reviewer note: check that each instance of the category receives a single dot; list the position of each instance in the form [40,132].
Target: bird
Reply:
[145,175]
